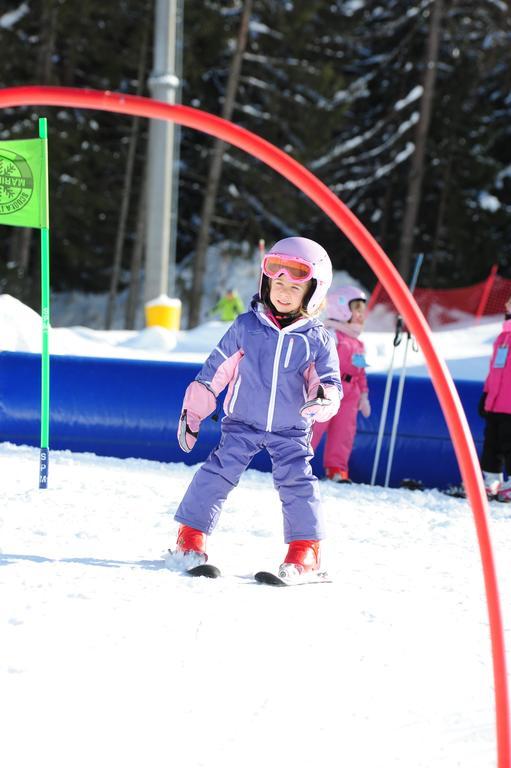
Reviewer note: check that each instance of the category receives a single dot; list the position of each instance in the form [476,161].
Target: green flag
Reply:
[24,183]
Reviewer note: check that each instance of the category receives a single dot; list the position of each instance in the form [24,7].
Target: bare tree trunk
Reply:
[24,251]
[446,180]
[415,178]
[49,18]
[121,225]
[386,209]
[136,257]
[215,171]
[126,192]
[22,240]
[19,254]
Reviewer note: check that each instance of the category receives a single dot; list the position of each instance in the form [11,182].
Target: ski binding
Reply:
[270,579]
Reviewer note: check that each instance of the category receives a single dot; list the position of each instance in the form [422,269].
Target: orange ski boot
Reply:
[337,474]
[191,541]
[302,557]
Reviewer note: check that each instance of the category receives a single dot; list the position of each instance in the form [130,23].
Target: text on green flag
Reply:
[24,183]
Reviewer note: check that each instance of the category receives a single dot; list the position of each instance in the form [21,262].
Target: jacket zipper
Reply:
[274,380]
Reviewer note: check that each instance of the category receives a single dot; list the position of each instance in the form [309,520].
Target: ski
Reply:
[271,580]
[458,492]
[207,570]
[190,564]
[265,577]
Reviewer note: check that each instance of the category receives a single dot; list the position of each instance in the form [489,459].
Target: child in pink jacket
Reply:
[346,310]
[495,408]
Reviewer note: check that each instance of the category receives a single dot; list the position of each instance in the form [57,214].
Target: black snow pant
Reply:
[496,453]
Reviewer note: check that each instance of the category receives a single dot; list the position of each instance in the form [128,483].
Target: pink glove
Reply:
[364,405]
[199,402]
[315,406]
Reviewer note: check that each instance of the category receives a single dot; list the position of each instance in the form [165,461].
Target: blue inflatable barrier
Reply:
[130,408]
[423,449]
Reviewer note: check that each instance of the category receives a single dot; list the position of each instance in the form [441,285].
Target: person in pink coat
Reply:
[495,408]
[346,309]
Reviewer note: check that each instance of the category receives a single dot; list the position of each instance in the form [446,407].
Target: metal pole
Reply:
[178,70]
[399,397]
[163,85]
[397,413]
[386,397]
[385,407]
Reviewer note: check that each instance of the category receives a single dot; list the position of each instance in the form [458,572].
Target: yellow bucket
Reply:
[163,312]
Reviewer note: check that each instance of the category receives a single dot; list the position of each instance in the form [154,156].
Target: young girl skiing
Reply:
[345,316]
[281,369]
[495,407]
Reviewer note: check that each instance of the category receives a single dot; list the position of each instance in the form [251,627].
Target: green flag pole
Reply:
[45,320]
[24,203]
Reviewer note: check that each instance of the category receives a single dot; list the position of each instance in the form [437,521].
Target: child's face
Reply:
[507,305]
[358,311]
[287,296]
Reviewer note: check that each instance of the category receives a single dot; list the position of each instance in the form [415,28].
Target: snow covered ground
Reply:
[110,659]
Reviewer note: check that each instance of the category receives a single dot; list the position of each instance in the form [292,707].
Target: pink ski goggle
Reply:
[297,270]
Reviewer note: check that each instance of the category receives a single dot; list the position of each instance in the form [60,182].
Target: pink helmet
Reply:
[306,251]
[338,306]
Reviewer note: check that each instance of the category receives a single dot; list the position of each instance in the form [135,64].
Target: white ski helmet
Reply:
[309,252]
[338,304]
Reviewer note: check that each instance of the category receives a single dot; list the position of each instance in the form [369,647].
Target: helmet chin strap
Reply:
[284,315]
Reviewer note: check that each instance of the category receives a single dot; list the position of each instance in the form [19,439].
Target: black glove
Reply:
[480,408]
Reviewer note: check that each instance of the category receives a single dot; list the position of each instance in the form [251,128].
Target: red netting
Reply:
[499,294]
[443,306]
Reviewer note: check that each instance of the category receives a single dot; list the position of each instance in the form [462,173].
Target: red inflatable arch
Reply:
[389,278]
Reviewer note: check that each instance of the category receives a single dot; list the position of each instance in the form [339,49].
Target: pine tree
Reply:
[335,83]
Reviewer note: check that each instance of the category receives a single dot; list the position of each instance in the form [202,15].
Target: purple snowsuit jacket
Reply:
[270,374]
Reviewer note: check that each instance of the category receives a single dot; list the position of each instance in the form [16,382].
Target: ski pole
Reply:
[386,396]
[397,413]
[399,396]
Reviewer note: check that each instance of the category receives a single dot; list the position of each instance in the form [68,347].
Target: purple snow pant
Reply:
[290,454]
